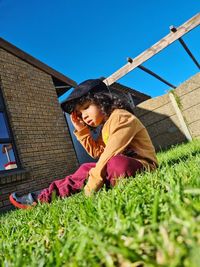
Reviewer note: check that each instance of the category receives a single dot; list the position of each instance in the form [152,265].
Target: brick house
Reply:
[35,144]
[35,141]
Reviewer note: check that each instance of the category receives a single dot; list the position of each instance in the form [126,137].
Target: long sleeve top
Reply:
[122,132]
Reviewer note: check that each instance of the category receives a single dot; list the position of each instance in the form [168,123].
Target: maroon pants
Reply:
[117,167]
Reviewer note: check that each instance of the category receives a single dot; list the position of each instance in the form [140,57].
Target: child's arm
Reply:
[93,147]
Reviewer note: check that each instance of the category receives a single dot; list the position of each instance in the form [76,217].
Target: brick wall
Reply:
[160,118]
[189,97]
[40,131]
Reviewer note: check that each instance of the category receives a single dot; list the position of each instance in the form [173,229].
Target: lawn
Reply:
[151,220]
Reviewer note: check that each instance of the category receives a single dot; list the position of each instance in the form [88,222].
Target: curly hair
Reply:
[106,100]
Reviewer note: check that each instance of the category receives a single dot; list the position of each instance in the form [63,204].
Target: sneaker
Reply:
[23,202]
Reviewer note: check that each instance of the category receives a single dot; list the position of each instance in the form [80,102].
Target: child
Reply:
[123,147]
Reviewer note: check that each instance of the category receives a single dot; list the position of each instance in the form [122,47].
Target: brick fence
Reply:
[160,117]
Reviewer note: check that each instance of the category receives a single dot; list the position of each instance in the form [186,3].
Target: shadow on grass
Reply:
[179,159]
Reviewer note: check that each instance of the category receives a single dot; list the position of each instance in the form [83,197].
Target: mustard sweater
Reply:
[121,133]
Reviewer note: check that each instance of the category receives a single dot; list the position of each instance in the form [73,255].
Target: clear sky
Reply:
[91,38]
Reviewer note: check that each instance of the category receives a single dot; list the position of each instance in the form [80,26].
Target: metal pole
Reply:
[173,29]
[130,60]
[156,76]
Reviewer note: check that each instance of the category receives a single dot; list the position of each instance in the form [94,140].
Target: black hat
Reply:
[81,90]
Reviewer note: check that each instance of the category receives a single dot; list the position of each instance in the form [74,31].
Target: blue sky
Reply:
[91,39]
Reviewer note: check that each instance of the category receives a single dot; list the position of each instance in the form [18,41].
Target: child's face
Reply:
[90,113]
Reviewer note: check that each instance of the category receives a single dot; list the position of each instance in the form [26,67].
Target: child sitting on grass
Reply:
[123,147]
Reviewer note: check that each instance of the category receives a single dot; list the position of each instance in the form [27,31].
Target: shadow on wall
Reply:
[163,129]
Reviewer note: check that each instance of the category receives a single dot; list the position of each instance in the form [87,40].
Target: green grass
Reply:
[152,220]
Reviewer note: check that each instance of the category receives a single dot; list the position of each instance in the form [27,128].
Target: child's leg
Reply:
[121,166]
[63,188]
[69,185]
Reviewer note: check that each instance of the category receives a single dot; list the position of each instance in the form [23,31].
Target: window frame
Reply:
[10,139]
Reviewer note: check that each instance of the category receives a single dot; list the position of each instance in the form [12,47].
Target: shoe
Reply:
[23,202]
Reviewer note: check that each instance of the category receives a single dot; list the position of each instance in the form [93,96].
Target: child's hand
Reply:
[77,121]
[87,191]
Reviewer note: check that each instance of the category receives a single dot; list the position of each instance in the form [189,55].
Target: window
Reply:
[8,159]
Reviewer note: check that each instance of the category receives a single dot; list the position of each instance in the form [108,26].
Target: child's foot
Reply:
[23,202]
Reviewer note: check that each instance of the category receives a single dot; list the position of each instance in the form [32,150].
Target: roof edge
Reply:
[130,90]
[35,62]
